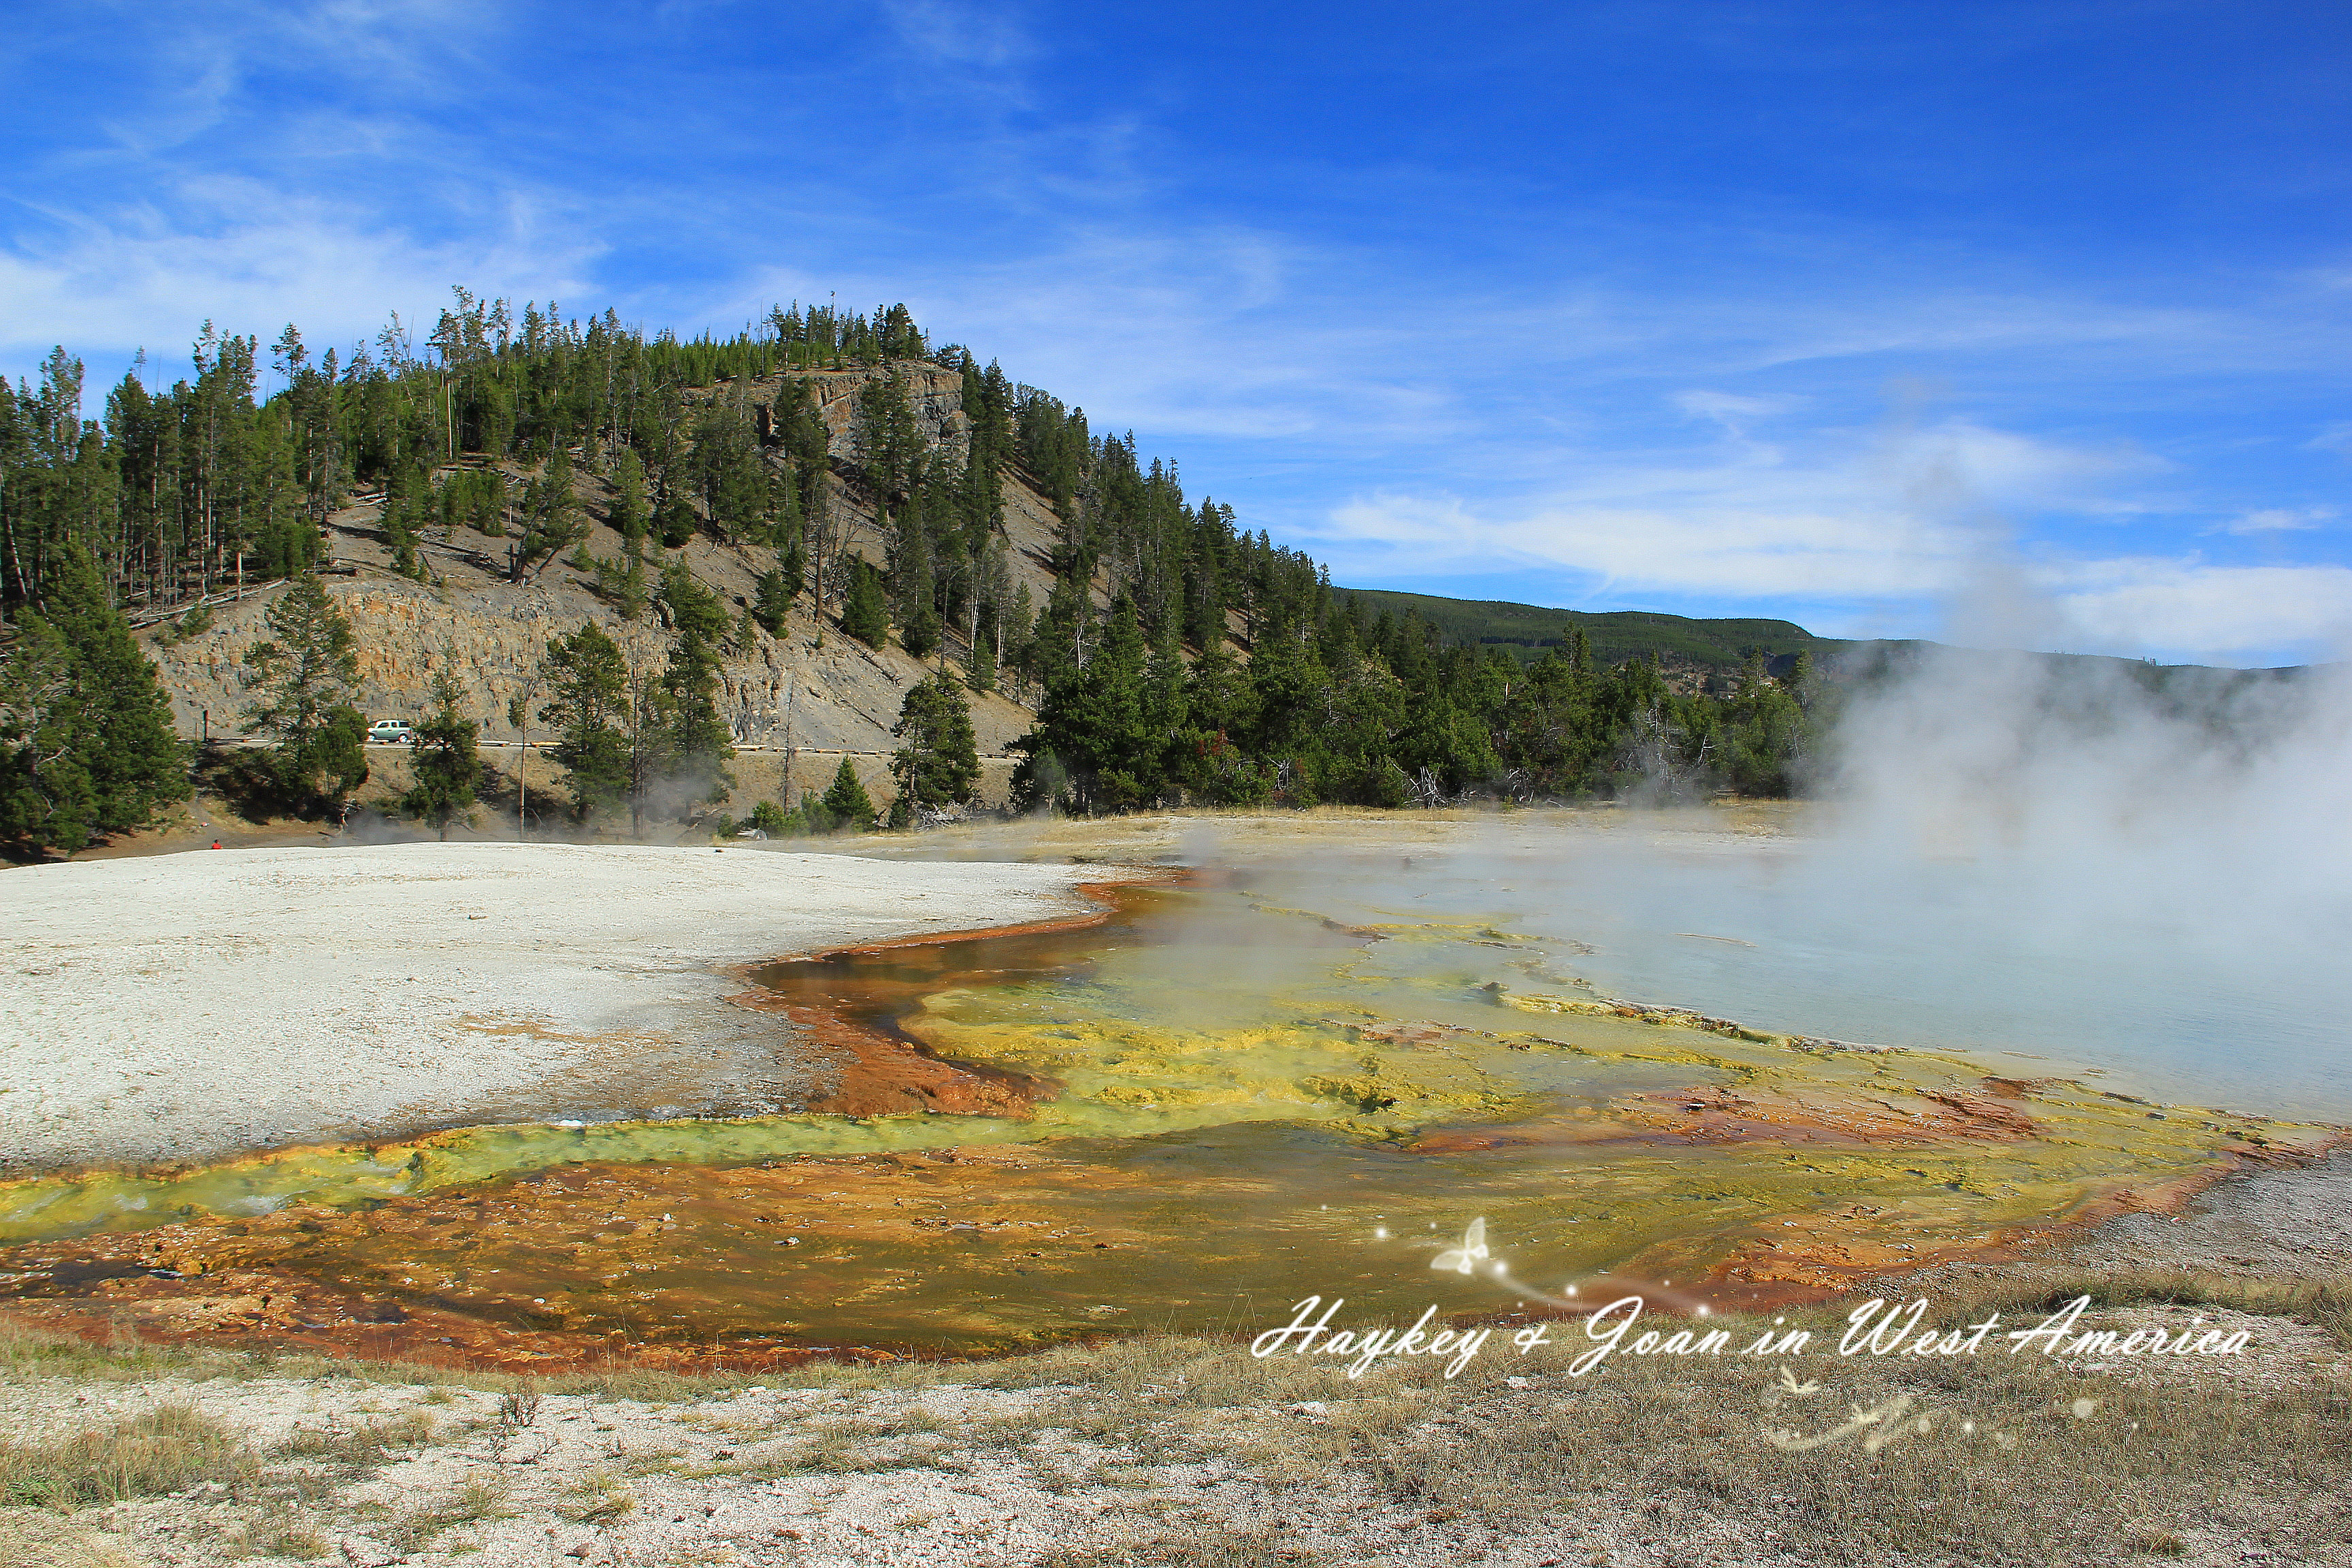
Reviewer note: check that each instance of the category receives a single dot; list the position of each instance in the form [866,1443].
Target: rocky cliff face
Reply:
[812,688]
[935,396]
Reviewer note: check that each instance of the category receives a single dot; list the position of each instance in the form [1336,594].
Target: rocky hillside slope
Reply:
[811,692]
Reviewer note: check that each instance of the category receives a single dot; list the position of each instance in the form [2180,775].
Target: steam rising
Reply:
[2206,809]
[2098,866]
[2084,860]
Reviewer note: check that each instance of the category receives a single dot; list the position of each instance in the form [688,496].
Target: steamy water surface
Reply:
[2205,994]
[1274,1083]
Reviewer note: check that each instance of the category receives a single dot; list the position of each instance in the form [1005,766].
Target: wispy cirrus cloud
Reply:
[2280,520]
[251,258]
[990,39]
[1849,513]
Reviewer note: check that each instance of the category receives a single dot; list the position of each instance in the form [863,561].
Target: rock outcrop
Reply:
[812,690]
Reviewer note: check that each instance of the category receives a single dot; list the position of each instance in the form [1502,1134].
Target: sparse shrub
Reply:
[518,1407]
[806,820]
[594,1497]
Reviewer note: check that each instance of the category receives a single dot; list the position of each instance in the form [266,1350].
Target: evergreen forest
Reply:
[1175,657]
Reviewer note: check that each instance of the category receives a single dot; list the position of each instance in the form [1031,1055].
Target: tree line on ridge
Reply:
[1177,657]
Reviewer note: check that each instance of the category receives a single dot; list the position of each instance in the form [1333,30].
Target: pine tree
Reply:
[982,665]
[137,760]
[865,614]
[1016,632]
[307,675]
[47,799]
[687,605]
[913,585]
[883,437]
[588,703]
[627,514]
[444,761]
[86,747]
[1063,632]
[789,535]
[772,601]
[630,595]
[1095,720]
[404,510]
[939,762]
[553,519]
[648,737]
[730,474]
[846,801]
[699,739]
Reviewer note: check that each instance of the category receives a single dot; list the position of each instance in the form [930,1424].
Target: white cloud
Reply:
[959,35]
[2130,605]
[1902,514]
[2280,520]
[1735,412]
[1960,465]
[1910,517]
[254,260]
[401,51]
[1742,552]
[1177,332]
[1725,407]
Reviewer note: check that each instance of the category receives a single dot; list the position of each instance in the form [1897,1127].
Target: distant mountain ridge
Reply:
[1703,646]
[1525,631]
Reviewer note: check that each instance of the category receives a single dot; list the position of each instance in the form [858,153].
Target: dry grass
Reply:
[1985,1465]
[276,1528]
[594,1497]
[35,1536]
[476,1498]
[165,1450]
[2325,1303]
[365,1448]
[1985,1460]
[841,1446]
[1235,1549]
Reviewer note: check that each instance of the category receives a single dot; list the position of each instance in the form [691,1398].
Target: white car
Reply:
[391,733]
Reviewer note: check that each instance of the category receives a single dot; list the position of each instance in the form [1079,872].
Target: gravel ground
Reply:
[186,1007]
[2295,1222]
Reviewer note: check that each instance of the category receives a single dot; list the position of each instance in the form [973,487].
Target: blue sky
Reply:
[2001,322]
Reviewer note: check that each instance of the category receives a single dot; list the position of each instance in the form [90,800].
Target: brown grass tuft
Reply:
[166,1450]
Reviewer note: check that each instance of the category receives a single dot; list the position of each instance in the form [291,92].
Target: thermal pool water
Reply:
[1237,1093]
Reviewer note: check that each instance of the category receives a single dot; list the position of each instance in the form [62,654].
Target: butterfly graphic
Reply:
[1789,1381]
[1466,1259]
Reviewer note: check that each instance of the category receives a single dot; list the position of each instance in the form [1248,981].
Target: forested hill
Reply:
[781,535]
[1525,631]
